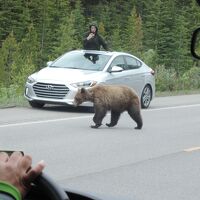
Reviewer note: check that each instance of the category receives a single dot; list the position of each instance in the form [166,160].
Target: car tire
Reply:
[36,104]
[146,96]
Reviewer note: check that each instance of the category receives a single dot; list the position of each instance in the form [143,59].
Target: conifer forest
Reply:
[33,32]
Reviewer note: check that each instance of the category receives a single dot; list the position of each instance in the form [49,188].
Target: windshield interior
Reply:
[82,60]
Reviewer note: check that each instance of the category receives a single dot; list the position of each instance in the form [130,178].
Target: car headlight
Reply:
[30,80]
[84,84]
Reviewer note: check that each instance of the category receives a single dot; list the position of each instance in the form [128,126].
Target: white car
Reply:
[59,81]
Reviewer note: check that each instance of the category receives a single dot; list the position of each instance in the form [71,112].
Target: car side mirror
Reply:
[116,69]
[195,43]
[49,63]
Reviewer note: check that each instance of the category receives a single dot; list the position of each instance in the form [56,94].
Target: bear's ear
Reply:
[83,90]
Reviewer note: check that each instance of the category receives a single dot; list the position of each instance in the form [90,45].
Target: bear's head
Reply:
[81,96]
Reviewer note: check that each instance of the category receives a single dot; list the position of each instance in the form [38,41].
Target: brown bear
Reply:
[115,98]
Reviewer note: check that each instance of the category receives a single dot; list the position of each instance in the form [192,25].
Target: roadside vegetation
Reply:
[158,32]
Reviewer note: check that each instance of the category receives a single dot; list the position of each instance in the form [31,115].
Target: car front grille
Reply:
[51,91]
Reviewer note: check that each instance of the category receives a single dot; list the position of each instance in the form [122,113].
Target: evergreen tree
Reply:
[8,53]
[17,60]
[46,17]
[26,59]
[116,40]
[39,14]
[192,14]
[182,60]
[166,43]
[13,17]
[104,18]
[67,40]
[28,50]
[152,25]
[29,46]
[79,23]
[119,13]
[134,35]
[58,11]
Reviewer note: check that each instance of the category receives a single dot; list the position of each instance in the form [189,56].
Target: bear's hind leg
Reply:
[98,117]
[134,112]
[114,118]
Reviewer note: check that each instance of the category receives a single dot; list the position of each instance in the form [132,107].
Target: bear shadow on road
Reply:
[61,108]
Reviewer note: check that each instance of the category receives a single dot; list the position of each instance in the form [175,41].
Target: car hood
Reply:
[66,75]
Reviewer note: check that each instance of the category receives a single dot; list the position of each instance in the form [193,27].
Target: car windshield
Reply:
[82,60]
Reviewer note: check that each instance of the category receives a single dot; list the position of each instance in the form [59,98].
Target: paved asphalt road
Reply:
[159,162]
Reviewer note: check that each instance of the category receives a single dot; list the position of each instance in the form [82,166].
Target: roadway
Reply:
[161,161]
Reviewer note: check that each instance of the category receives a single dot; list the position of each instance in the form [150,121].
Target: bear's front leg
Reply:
[98,117]
[96,121]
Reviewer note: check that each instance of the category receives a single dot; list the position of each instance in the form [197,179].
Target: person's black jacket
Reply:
[94,43]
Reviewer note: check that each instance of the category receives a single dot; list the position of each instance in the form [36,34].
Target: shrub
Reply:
[166,79]
[149,57]
[191,79]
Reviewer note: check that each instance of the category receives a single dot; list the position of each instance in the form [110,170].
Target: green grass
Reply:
[176,93]
[13,102]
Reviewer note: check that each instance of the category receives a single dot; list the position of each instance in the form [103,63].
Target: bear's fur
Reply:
[117,99]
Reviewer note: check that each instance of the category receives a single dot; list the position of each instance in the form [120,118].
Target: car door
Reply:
[135,76]
[116,77]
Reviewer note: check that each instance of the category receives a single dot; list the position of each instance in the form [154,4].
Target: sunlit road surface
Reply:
[161,161]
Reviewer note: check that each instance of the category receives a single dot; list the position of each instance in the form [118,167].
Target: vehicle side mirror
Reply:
[116,69]
[195,43]
[49,63]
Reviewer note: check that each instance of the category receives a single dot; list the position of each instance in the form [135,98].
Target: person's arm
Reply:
[86,39]
[16,174]
[103,43]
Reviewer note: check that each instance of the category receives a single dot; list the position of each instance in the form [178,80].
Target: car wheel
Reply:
[146,96]
[36,104]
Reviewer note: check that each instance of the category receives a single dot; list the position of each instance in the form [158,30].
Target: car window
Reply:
[118,61]
[81,60]
[132,63]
